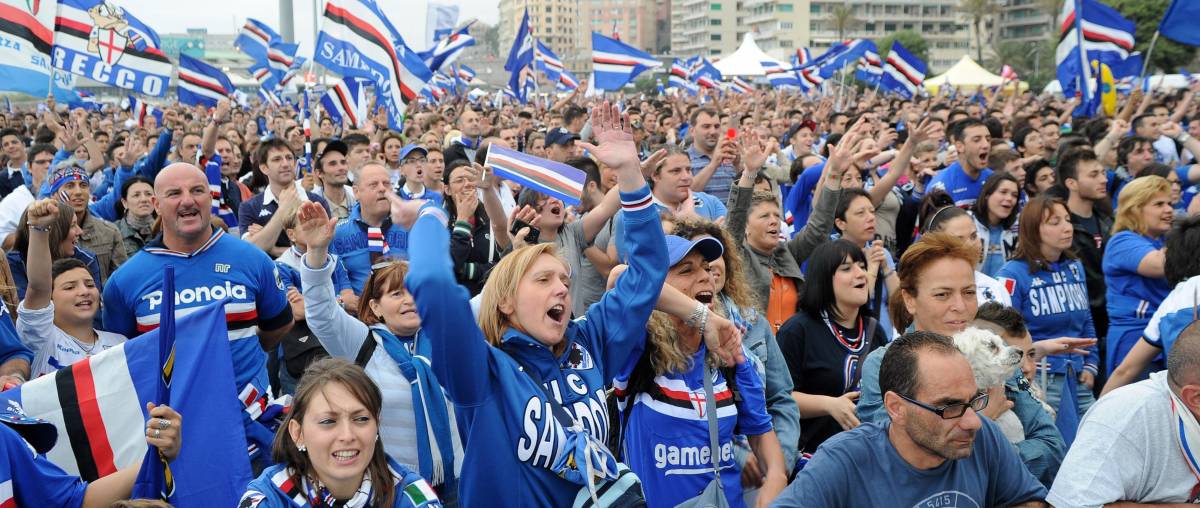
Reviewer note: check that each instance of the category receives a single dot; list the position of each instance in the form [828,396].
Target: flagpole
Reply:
[1149,54]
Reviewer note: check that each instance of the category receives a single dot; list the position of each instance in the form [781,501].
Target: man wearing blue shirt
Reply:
[369,235]
[964,179]
[934,451]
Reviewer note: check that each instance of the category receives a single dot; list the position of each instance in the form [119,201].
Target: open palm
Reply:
[615,147]
[313,226]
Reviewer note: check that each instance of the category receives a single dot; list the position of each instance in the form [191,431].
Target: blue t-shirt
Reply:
[962,188]
[279,487]
[224,268]
[1132,298]
[29,479]
[861,467]
[797,204]
[1054,303]
[666,440]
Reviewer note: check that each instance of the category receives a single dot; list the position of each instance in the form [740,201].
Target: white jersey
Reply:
[53,348]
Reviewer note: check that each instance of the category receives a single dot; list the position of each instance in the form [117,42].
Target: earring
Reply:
[302,448]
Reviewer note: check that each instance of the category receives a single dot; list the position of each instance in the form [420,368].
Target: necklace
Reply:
[86,348]
[852,345]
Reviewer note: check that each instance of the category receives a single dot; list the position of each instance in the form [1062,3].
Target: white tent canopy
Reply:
[965,73]
[746,61]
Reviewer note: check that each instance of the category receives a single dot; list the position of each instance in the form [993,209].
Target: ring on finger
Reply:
[157,432]
[163,423]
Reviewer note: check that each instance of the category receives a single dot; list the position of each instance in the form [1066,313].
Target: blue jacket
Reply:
[275,488]
[509,432]
[1054,303]
[1043,449]
[350,244]
[962,188]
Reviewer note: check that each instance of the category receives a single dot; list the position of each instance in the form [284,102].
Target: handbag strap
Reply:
[710,406]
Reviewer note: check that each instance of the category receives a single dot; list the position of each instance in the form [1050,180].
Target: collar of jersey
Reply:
[156,245]
[530,348]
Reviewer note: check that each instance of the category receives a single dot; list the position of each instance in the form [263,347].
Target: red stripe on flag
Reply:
[29,22]
[93,421]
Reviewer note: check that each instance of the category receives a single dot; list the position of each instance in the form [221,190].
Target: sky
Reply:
[228,16]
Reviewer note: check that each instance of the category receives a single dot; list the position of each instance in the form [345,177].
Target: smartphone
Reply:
[531,238]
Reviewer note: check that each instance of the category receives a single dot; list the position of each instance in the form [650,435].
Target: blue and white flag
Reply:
[97,40]
[139,110]
[678,75]
[261,73]
[447,49]
[705,74]
[903,72]
[615,63]
[546,61]
[345,103]
[201,83]
[269,97]
[1179,23]
[255,39]
[280,57]
[740,86]
[567,81]
[28,30]
[99,407]
[293,71]
[357,40]
[837,56]
[1104,36]
[520,62]
[554,179]
[84,99]
[440,19]
[778,75]
[870,67]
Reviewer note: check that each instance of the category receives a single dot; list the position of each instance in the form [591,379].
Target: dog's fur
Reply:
[993,362]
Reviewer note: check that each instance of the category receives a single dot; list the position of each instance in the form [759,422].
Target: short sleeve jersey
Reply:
[29,479]
[962,188]
[1132,297]
[225,268]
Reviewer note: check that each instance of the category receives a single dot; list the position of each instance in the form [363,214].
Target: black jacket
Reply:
[1090,251]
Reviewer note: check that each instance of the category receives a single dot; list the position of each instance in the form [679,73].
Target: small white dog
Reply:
[993,362]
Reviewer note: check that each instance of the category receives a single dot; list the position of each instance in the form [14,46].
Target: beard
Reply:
[937,444]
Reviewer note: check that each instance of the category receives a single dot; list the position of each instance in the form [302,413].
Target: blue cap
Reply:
[408,149]
[560,136]
[679,247]
[40,434]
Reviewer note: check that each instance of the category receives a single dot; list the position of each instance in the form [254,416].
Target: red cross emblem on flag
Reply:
[698,399]
[110,45]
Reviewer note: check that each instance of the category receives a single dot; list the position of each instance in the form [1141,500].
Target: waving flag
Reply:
[280,57]
[345,104]
[448,48]
[465,73]
[268,97]
[440,18]
[615,63]
[740,86]
[870,67]
[124,53]
[705,74]
[200,83]
[98,406]
[520,61]
[778,76]
[554,179]
[546,61]
[292,72]
[255,39]
[84,100]
[139,110]
[903,73]
[1090,31]
[261,73]
[28,32]
[357,40]
[1179,23]
[836,57]
[567,81]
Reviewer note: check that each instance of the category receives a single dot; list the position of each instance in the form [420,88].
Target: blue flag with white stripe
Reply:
[520,63]
[903,72]
[1179,23]
[615,63]
[1091,31]
[125,55]
[255,39]
[447,49]
[778,75]
[201,83]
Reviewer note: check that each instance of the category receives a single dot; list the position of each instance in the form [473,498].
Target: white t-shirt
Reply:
[12,207]
[52,348]
[988,289]
[1126,450]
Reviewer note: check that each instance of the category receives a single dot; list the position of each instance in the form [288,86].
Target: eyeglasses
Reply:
[952,411]
[407,162]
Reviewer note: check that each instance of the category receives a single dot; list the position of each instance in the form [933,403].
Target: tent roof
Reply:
[746,61]
[965,73]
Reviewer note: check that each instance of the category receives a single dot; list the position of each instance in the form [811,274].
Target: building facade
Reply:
[714,28]
[1026,21]
[639,23]
[940,22]
[557,23]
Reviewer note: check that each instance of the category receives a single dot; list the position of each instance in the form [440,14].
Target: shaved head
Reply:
[183,202]
[175,171]
[1183,360]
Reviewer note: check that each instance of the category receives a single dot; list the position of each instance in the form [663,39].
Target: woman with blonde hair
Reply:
[1133,263]
[528,383]
[328,451]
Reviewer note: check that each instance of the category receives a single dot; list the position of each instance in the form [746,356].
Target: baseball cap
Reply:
[40,434]
[560,136]
[335,145]
[679,247]
[408,149]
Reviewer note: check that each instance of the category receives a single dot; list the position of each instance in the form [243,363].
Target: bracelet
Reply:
[43,229]
[1183,137]
[703,321]
[698,312]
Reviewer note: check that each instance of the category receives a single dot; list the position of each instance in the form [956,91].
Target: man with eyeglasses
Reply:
[413,165]
[1140,444]
[13,205]
[934,451]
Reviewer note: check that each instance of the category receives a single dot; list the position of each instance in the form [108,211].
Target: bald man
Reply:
[209,266]
[1140,444]
[369,236]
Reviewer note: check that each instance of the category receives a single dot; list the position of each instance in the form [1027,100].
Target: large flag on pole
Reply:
[97,40]
[615,63]
[778,75]
[201,83]
[99,408]
[903,72]
[345,103]
[280,57]
[1179,23]
[1090,30]
[255,39]
[447,49]
[357,40]
[870,67]
[520,61]
[28,28]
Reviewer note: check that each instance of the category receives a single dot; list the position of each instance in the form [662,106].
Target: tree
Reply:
[1168,55]
[1033,61]
[978,11]
[843,19]
[912,41]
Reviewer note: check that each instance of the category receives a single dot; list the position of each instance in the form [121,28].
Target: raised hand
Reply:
[465,204]
[611,131]
[754,152]
[925,131]
[404,213]
[652,162]
[42,213]
[724,339]
[314,227]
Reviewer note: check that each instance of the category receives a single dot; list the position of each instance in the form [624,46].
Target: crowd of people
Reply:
[761,299]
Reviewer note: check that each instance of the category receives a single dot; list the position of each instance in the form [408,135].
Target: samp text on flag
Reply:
[546,176]
[615,63]
[123,52]
[357,40]
[1179,23]
[201,83]
[99,408]
[903,72]
[255,39]
[28,30]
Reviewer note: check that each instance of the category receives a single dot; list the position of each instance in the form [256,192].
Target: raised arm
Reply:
[899,166]
[341,334]
[208,141]
[41,215]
